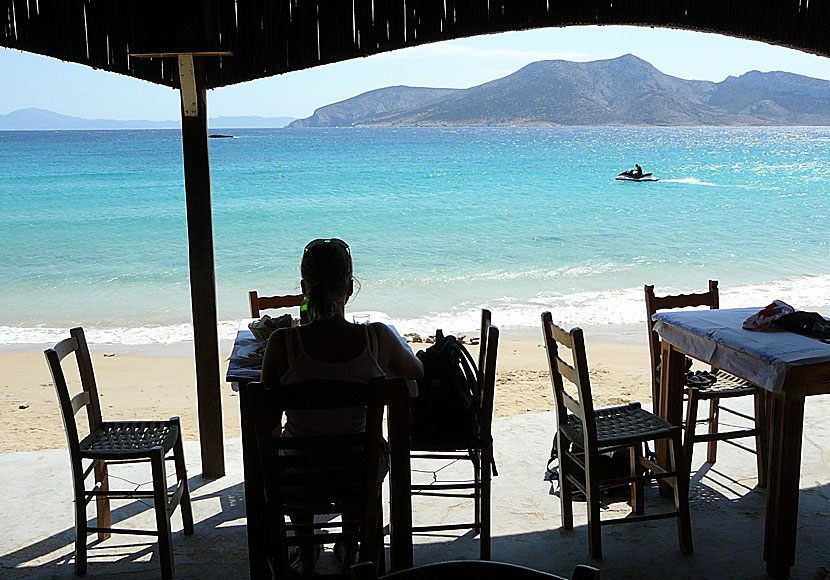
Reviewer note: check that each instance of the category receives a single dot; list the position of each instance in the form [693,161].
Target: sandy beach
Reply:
[134,384]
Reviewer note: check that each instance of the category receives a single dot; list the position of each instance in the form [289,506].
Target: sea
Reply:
[441,222]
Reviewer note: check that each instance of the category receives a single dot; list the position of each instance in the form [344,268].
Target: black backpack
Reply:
[612,465]
[447,408]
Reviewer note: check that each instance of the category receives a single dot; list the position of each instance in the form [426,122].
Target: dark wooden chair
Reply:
[477,569]
[116,442]
[322,475]
[478,450]
[584,432]
[265,302]
[727,386]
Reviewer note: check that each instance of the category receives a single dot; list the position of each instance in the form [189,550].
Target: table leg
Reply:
[400,518]
[670,403]
[787,423]
[254,497]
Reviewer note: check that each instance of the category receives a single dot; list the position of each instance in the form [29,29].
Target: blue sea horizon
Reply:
[441,221]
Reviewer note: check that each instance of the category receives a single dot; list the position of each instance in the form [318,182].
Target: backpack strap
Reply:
[470,371]
[469,366]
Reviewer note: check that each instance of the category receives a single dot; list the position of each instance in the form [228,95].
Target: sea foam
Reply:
[595,308]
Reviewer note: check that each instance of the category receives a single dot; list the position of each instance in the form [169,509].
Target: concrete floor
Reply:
[37,535]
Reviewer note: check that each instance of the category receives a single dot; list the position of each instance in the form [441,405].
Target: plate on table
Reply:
[256,350]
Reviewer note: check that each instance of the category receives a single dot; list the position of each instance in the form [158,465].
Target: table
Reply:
[790,366]
[241,370]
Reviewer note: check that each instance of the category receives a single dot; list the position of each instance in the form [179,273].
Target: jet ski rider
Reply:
[638,171]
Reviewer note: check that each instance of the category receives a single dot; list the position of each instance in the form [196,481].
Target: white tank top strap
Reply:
[289,346]
[372,341]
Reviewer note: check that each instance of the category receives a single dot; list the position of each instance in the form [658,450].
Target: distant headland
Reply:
[43,120]
[620,91]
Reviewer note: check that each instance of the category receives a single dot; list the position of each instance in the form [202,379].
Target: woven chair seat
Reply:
[620,426]
[727,382]
[129,438]
[726,385]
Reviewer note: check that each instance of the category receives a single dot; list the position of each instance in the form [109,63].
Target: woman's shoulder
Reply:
[280,334]
[382,330]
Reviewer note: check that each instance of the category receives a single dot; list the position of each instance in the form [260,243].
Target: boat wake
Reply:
[690,181]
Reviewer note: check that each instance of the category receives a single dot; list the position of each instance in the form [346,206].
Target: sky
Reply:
[28,80]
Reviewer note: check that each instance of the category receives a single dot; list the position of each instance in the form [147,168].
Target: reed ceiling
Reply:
[271,37]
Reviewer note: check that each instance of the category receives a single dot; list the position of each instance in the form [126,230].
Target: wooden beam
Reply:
[187,84]
[203,276]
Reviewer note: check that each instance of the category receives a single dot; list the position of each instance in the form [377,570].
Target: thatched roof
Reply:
[270,37]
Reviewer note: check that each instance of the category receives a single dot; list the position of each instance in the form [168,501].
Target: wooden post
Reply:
[202,272]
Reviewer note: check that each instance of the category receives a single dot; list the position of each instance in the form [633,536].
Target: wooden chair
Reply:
[337,474]
[477,449]
[727,386]
[478,569]
[584,432]
[111,442]
[265,302]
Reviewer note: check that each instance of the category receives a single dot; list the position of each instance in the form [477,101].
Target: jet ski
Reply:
[631,175]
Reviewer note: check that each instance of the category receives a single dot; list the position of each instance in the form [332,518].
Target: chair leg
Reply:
[691,422]
[478,461]
[638,485]
[761,436]
[162,513]
[102,502]
[565,491]
[371,533]
[80,530]
[486,494]
[380,550]
[712,446]
[594,526]
[681,492]
[181,477]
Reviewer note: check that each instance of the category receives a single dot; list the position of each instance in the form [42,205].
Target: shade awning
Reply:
[271,37]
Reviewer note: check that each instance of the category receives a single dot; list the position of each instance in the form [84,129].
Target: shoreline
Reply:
[148,382]
[616,315]
[624,333]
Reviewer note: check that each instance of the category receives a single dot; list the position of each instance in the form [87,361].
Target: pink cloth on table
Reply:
[762,319]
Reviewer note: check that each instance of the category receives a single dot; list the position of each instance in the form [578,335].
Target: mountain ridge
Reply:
[621,91]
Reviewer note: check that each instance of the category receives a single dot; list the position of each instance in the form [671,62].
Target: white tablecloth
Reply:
[763,357]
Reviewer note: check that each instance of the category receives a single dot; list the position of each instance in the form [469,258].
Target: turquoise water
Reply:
[441,222]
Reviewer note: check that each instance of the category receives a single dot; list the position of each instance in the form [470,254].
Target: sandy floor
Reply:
[133,386]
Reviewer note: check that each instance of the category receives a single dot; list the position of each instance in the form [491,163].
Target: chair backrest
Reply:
[87,398]
[487,356]
[486,320]
[338,468]
[265,302]
[479,569]
[581,405]
[656,303]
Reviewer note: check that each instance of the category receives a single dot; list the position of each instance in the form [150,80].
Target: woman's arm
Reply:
[394,357]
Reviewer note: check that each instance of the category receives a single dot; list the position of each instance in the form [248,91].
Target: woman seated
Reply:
[330,347]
